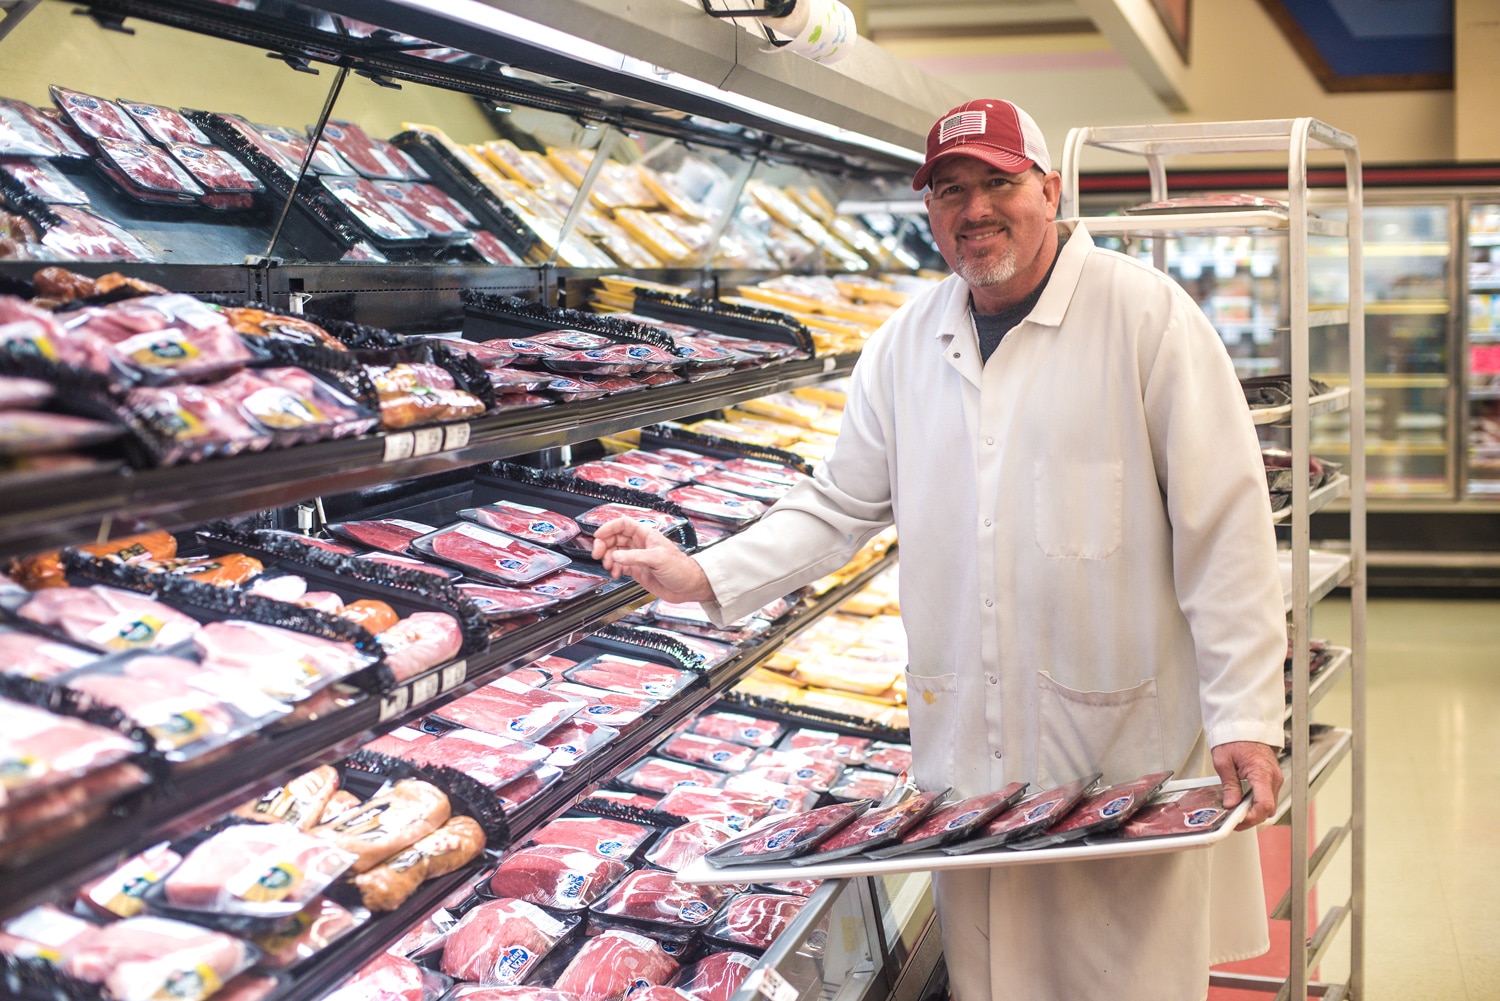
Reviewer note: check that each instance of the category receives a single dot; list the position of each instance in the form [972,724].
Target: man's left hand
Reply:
[1255,763]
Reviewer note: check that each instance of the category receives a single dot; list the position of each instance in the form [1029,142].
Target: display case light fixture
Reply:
[481,15]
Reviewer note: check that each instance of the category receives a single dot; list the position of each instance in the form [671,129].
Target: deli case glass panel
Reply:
[1482,325]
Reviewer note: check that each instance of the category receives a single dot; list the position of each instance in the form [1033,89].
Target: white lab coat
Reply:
[1088,582]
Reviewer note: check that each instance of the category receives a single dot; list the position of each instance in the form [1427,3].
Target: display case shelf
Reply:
[1204,223]
[1326,571]
[1324,403]
[1338,663]
[1324,756]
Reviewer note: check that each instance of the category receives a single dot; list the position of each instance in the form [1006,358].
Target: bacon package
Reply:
[787,838]
[685,844]
[391,535]
[601,836]
[710,751]
[261,870]
[575,739]
[1032,814]
[739,728]
[490,554]
[1187,811]
[615,475]
[569,583]
[597,517]
[510,709]
[755,920]
[875,829]
[96,117]
[716,505]
[954,822]
[562,879]
[500,941]
[631,675]
[614,709]
[500,603]
[735,811]
[1101,812]
[660,775]
[522,521]
[656,902]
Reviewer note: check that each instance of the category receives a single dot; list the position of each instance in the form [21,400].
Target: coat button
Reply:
[957,355]
[994,680]
[989,603]
[989,441]
[987,523]
[998,755]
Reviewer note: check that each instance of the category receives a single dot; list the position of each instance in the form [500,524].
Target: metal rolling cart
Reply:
[1308,574]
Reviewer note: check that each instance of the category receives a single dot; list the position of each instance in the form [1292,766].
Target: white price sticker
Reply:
[829,364]
[395,703]
[454,674]
[455,436]
[771,985]
[398,446]
[423,689]
[427,441]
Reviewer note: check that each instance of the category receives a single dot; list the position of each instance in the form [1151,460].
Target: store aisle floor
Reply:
[1434,822]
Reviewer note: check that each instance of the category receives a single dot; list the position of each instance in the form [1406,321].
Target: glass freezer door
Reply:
[1482,324]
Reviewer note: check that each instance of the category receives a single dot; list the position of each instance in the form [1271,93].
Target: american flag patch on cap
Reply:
[965,123]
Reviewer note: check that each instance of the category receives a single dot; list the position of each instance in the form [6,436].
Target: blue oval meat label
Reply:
[572,886]
[1203,817]
[1040,810]
[720,756]
[961,820]
[884,826]
[610,848]
[694,910]
[1114,806]
[779,841]
[513,962]
[542,527]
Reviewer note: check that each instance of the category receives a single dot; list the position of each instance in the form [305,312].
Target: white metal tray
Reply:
[702,872]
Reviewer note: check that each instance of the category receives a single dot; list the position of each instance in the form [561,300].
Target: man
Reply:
[1088,578]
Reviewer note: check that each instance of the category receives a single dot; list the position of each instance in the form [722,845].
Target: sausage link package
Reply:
[954,822]
[875,829]
[300,802]
[454,845]
[388,822]
[499,942]
[1102,811]
[561,879]
[654,902]
[1033,814]
[784,839]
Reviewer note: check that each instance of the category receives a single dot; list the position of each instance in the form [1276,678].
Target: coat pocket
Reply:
[1077,507]
[932,706]
[1115,732]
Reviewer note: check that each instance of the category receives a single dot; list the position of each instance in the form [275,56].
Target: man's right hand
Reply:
[652,560]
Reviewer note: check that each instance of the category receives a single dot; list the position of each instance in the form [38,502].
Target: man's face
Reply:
[991,226]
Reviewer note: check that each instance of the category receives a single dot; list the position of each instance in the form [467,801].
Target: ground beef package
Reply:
[1103,811]
[784,839]
[954,822]
[1035,813]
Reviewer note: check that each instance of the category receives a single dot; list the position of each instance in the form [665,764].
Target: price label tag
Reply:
[395,703]
[771,985]
[454,674]
[455,436]
[398,446]
[829,364]
[426,441]
[424,688]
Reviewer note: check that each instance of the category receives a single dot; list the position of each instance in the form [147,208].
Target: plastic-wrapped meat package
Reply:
[500,941]
[300,803]
[716,505]
[893,758]
[292,147]
[607,799]
[863,784]
[597,517]
[45,933]
[194,422]
[526,788]
[480,992]
[381,218]
[427,936]
[520,401]
[510,709]
[783,839]
[96,117]
[144,958]
[493,251]
[511,381]
[490,554]
[523,521]
[1189,811]
[33,432]
[388,977]
[528,350]
[164,337]
[401,742]
[827,744]
[755,920]
[159,696]
[259,324]
[568,583]
[86,236]
[683,845]
[673,909]
[874,829]
[229,570]
[149,170]
[288,400]
[569,389]
[20,137]
[357,149]
[612,839]
[660,775]
[1100,812]
[613,964]
[429,208]
[281,663]
[575,740]
[1035,813]
[109,619]
[563,879]
[710,751]
[738,728]
[269,870]
[313,929]
[632,676]
[215,170]
[614,709]
[499,603]
[697,803]
[420,641]
[490,760]
[165,125]
[532,677]
[617,359]
[44,181]
[389,534]
[792,768]
[491,354]
[375,616]
[773,472]
[388,822]
[745,486]
[956,821]
[781,797]
[615,475]
[411,563]
[715,977]
[53,127]
[388,885]
[657,992]
[656,464]
[118,894]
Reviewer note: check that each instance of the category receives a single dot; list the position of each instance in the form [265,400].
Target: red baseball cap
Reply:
[995,131]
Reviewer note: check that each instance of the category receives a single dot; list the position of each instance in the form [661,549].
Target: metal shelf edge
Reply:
[1326,679]
[1318,771]
[1318,499]
[1324,403]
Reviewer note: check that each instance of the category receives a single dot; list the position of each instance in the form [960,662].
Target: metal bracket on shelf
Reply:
[773,8]
[575,211]
[15,11]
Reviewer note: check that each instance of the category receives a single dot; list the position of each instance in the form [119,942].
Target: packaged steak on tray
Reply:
[631,675]
[615,475]
[596,518]
[372,159]
[510,709]
[523,521]
[1187,811]
[754,920]
[827,744]
[775,841]
[954,821]
[685,844]
[214,169]
[528,787]
[893,758]
[44,181]
[149,171]
[716,505]
[392,535]
[659,775]
[1030,816]
[499,603]
[569,583]
[707,751]
[793,768]
[861,783]
[602,836]
[875,829]
[499,942]
[86,236]
[779,797]
[751,731]
[613,709]
[374,212]
[734,810]
[96,117]
[656,464]
[429,208]
[715,977]
[575,740]
[560,879]
[615,964]
[1099,813]
[657,903]
[488,759]
[490,554]
[165,125]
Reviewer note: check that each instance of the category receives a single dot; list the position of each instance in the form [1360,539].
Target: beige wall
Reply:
[181,69]
[1476,31]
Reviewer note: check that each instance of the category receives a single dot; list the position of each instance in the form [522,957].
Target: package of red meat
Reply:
[861,783]
[569,389]
[499,603]
[825,744]
[401,562]
[528,787]
[681,846]
[191,423]
[19,137]
[355,148]
[520,401]
[389,977]
[45,934]
[613,709]
[528,350]
[108,619]
[165,125]
[715,977]
[1186,811]
[754,920]
[614,965]
[217,171]
[615,475]
[716,505]
[575,740]
[780,797]
[96,117]
[656,464]
[510,709]
[490,554]
[429,208]
[875,829]
[388,534]
[709,751]
[151,957]
[499,942]
[490,354]
[250,877]
[283,664]
[163,338]
[375,213]
[511,381]
[522,521]
[1101,812]
[480,992]
[296,405]
[569,583]
[292,147]
[1035,813]
[561,879]
[597,517]
[315,928]
[741,485]
[795,768]
[751,731]
[893,758]
[787,838]
[610,384]
[657,904]
[660,775]
[954,822]
[601,836]
[43,180]
[490,760]
[772,472]
[32,432]
[613,360]
[85,236]
[735,810]
[148,172]
[630,675]
[492,250]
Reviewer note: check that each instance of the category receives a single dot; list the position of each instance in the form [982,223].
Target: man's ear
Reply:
[1052,189]
[927,197]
